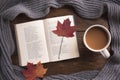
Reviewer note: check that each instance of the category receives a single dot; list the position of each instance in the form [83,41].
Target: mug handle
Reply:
[105,53]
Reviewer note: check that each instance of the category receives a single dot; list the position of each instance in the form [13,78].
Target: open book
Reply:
[37,42]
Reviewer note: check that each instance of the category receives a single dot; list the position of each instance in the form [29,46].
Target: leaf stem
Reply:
[60,48]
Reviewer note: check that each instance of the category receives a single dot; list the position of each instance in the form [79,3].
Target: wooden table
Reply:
[87,61]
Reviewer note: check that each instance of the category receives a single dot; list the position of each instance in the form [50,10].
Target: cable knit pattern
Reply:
[90,9]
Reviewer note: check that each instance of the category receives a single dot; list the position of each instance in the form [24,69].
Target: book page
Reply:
[31,42]
[69,47]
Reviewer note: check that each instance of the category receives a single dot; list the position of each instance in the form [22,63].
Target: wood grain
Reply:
[87,61]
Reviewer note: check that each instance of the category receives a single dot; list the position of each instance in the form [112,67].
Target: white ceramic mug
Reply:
[103,50]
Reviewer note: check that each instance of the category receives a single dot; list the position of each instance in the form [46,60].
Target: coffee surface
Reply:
[96,38]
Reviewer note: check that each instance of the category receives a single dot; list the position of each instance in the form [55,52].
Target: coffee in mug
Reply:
[97,38]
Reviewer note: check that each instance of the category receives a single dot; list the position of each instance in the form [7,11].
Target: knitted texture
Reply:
[90,9]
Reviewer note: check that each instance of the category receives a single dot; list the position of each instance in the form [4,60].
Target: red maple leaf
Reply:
[34,71]
[65,29]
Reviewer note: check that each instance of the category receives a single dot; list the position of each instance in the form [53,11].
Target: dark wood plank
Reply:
[87,61]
